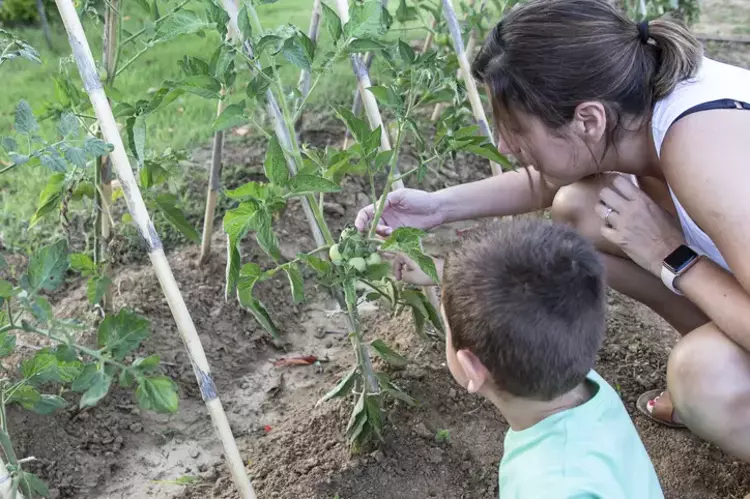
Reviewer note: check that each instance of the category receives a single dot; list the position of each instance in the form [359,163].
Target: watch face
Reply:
[679,258]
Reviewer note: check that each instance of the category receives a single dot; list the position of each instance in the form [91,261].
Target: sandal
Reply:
[657,406]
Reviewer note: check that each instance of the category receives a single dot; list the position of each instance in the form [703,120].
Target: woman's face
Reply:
[563,156]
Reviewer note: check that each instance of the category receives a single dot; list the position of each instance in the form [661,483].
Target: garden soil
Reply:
[294,448]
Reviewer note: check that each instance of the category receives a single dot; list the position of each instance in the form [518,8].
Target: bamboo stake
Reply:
[103,194]
[357,103]
[469,51]
[471,86]
[304,77]
[137,209]
[214,184]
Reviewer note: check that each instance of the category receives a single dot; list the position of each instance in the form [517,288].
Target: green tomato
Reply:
[358,263]
[334,254]
[374,259]
[348,232]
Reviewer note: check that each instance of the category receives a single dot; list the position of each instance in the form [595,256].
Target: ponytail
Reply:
[678,55]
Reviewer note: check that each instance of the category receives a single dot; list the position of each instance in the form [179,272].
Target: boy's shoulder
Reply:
[589,451]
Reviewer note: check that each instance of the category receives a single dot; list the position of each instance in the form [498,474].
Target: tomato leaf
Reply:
[25,122]
[7,343]
[295,282]
[332,23]
[387,354]
[158,394]
[243,23]
[48,404]
[122,333]
[96,288]
[99,388]
[343,387]
[167,204]
[47,267]
[305,184]
[82,263]
[274,165]
[232,115]
[35,484]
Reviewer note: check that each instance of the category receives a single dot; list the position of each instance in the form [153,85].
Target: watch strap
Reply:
[668,278]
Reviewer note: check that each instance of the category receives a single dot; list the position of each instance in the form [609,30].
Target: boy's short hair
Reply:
[527,297]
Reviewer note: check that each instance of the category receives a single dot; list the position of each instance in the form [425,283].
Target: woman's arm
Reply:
[705,159]
[510,193]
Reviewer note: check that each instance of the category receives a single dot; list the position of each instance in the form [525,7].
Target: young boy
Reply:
[524,308]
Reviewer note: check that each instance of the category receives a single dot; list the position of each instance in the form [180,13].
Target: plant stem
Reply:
[88,351]
[389,183]
[304,100]
[374,288]
[132,60]
[156,23]
[8,168]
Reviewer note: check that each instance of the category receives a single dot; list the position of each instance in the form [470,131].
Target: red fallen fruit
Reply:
[303,360]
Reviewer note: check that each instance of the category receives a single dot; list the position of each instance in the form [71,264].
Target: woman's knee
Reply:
[708,376]
[574,205]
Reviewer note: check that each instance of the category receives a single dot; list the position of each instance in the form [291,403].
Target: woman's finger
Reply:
[607,216]
[363,217]
[383,230]
[612,198]
[398,269]
[609,233]
[625,186]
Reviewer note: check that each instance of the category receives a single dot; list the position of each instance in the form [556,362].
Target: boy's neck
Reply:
[524,413]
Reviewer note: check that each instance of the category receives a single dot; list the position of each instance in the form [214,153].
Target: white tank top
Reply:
[714,81]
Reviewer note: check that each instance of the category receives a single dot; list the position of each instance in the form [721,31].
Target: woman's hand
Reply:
[632,221]
[403,208]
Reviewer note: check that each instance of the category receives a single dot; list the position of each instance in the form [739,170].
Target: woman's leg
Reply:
[574,204]
[708,375]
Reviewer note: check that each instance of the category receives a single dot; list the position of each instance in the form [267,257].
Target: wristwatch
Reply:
[676,264]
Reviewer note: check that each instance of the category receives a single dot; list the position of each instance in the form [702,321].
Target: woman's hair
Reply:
[545,57]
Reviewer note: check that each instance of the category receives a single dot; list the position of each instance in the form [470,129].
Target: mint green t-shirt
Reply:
[592,451]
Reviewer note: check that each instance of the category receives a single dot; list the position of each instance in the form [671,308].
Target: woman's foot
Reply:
[657,406]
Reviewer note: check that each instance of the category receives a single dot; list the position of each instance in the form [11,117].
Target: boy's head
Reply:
[524,302]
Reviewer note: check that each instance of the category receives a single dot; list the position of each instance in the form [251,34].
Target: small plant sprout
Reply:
[443,436]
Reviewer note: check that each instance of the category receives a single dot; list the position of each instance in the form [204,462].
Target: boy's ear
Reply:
[476,374]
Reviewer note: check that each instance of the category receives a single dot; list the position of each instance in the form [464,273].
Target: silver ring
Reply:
[606,217]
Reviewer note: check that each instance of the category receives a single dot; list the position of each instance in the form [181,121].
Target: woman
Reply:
[641,143]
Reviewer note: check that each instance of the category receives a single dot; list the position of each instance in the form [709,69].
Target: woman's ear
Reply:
[590,121]
[476,374]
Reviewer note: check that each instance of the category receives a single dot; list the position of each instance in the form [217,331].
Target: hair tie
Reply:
[643,31]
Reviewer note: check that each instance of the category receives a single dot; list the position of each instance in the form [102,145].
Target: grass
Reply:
[185,124]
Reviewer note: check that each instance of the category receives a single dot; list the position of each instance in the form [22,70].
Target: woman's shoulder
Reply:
[714,80]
